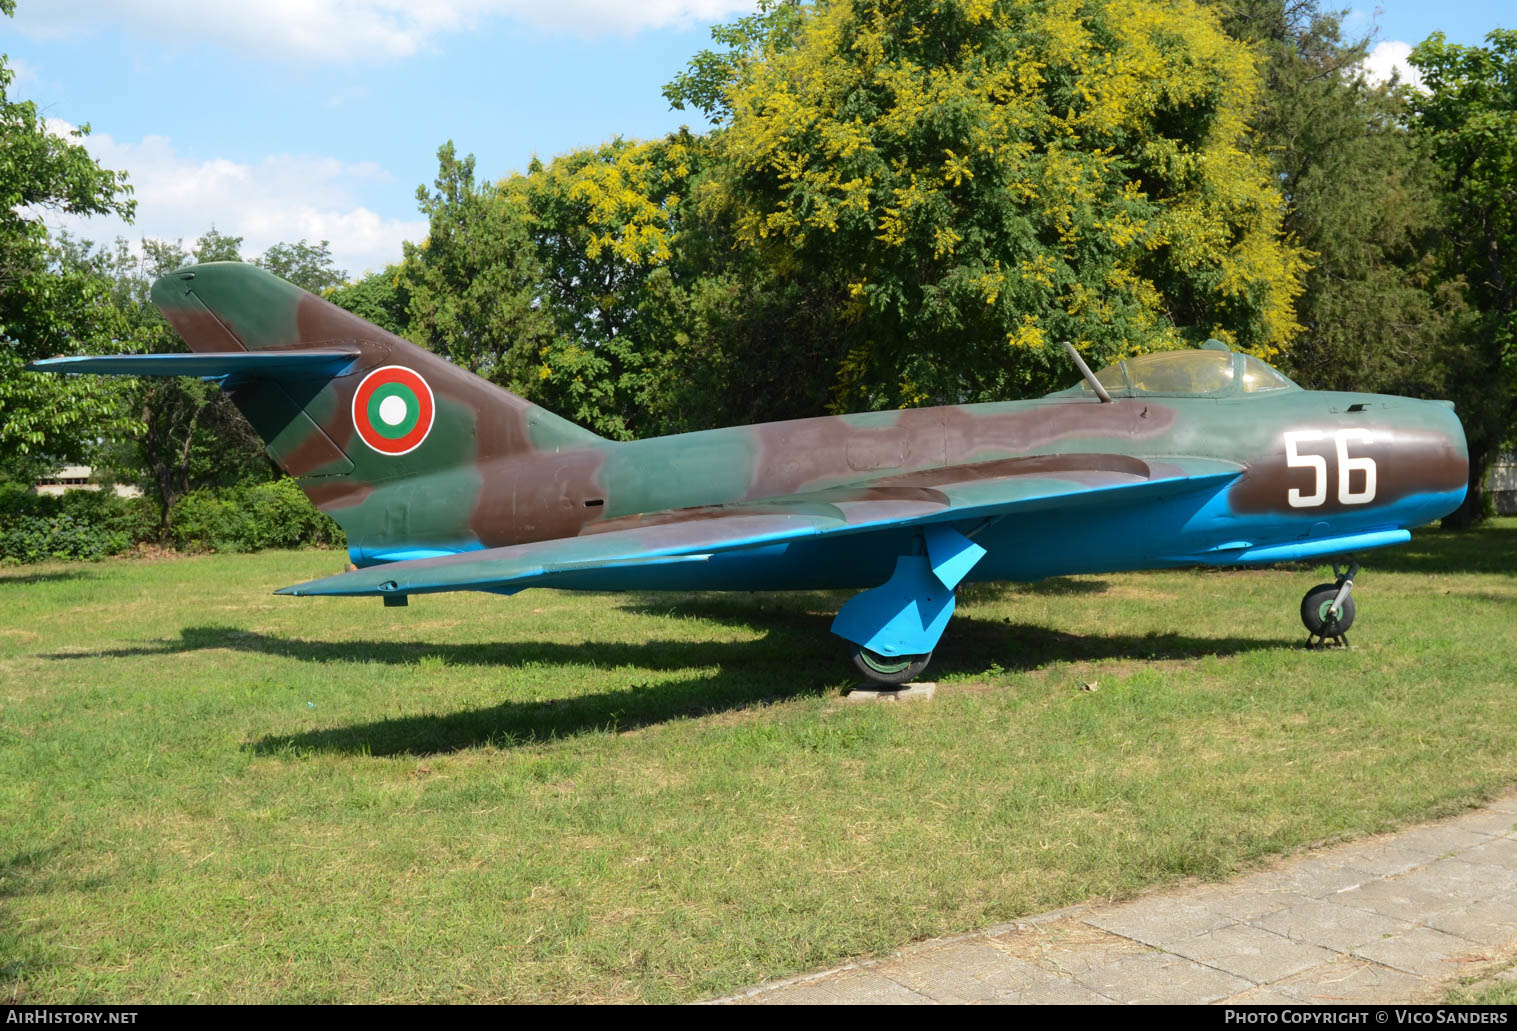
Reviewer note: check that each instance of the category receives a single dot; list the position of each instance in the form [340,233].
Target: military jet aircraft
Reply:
[445,482]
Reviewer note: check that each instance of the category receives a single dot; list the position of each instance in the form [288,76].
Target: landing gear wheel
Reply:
[1317,615]
[889,669]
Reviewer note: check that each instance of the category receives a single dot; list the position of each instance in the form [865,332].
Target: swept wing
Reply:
[959,495]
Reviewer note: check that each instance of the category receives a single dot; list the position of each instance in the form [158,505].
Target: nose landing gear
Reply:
[1328,609]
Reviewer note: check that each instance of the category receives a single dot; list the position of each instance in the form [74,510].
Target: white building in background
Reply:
[77,477]
[1501,482]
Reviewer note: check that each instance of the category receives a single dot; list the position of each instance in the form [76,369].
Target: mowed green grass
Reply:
[208,793]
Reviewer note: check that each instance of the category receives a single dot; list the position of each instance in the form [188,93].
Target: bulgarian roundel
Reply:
[393,410]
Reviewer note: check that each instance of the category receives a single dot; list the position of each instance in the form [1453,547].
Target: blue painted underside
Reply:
[1163,534]
[364,557]
[911,569]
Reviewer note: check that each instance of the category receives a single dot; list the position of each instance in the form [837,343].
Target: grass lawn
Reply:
[208,793]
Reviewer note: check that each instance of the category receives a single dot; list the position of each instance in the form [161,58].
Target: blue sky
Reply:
[284,119]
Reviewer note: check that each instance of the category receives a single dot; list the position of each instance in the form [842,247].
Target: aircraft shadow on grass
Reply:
[748,673]
[41,578]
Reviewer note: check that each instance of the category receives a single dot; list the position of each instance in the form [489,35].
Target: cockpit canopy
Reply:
[1213,371]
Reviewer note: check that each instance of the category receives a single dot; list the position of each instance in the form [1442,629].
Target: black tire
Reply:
[886,669]
[1315,616]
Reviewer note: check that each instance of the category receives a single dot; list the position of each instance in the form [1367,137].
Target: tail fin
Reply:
[230,306]
[409,453]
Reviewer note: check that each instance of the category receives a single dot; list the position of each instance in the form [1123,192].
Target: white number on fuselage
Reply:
[1318,464]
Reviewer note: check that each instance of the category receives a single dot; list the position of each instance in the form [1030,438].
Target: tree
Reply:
[959,185]
[603,223]
[213,245]
[308,266]
[472,282]
[1362,201]
[556,283]
[51,300]
[187,433]
[1467,123]
[378,297]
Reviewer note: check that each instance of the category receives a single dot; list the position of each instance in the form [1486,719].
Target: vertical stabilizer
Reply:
[400,447]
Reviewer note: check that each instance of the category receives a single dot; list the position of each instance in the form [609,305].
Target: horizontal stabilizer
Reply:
[208,364]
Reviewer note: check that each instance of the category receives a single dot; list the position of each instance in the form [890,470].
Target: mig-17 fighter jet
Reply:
[446,482]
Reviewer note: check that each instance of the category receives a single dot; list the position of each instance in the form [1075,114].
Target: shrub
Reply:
[78,524]
[82,524]
[38,538]
[249,517]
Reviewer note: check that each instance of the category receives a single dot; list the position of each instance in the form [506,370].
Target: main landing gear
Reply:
[1328,609]
[891,629]
[889,669]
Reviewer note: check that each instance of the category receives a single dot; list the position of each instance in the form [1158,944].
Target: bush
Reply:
[35,539]
[249,517]
[84,524]
[78,524]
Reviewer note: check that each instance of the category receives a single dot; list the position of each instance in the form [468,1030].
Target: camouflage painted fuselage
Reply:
[904,457]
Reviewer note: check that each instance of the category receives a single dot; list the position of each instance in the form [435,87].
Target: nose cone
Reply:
[1448,460]
[1459,448]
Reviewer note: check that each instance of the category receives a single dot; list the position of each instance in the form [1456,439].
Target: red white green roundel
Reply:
[393,410]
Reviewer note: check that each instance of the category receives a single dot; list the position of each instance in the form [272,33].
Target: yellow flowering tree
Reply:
[969,182]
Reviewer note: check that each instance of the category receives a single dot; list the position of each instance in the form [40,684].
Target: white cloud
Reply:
[354,29]
[282,198]
[1390,56]
[22,73]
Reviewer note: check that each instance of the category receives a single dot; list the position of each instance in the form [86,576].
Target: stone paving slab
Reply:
[1253,953]
[1487,821]
[1402,898]
[1330,925]
[1351,980]
[1158,920]
[1397,918]
[1159,978]
[1426,952]
[1383,860]
[1069,946]
[1313,878]
[1490,922]
[1439,840]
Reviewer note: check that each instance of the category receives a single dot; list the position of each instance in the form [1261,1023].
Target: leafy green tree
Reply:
[51,301]
[308,266]
[188,434]
[603,224]
[213,245]
[380,297]
[961,184]
[472,283]
[1361,199]
[545,282]
[1467,121]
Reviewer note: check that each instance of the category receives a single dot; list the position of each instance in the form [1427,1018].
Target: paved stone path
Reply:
[1395,918]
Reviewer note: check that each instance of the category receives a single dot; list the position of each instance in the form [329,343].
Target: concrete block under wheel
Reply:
[916,691]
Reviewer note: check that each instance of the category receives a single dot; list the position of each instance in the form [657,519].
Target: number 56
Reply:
[1318,464]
